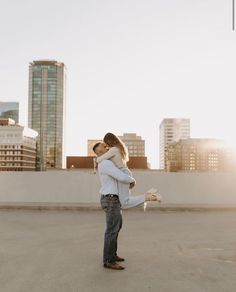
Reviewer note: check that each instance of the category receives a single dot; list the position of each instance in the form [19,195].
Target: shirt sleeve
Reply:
[108,155]
[108,167]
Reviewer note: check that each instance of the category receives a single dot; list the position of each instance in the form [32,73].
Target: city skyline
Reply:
[138,60]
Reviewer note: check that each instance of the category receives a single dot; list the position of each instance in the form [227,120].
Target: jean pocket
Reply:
[104,205]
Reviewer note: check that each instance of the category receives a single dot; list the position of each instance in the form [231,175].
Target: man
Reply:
[109,176]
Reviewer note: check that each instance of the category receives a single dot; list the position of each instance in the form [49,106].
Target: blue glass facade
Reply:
[47,111]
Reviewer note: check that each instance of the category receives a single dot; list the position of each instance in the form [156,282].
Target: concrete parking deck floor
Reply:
[60,251]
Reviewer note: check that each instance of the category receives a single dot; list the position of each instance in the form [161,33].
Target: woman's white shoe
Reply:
[152,195]
[152,191]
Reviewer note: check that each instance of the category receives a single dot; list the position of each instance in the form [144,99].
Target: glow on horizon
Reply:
[129,65]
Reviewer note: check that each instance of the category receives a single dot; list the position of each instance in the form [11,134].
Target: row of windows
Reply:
[10,158]
[10,152]
[200,165]
[10,135]
[9,164]
[194,168]
[11,146]
[14,164]
[197,155]
[200,158]
[136,147]
[38,80]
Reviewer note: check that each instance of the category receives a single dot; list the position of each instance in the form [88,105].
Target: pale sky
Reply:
[130,63]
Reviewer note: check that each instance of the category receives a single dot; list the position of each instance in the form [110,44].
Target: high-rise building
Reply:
[17,146]
[9,110]
[47,79]
[199,155]
[171,130]
[135,144]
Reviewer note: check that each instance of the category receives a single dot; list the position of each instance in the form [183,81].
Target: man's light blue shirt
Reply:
[110,175]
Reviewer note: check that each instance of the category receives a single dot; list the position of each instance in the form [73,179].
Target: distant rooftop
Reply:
[7,122]
[46,62]
[175,120]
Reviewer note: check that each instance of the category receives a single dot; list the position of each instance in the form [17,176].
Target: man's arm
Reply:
[108,167]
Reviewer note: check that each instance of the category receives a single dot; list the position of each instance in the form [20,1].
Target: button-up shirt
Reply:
[110,176]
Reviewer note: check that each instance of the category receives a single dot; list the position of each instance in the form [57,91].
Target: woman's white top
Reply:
[114,155]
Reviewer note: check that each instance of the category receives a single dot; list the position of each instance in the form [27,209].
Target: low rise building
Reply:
[89,162]
[199,155]
[17,146]
[135,144]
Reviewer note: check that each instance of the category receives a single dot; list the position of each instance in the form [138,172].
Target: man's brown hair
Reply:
[95,146]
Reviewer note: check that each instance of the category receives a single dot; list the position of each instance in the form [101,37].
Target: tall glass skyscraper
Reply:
[47,79]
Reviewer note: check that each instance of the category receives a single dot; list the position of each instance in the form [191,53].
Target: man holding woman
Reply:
[116,182]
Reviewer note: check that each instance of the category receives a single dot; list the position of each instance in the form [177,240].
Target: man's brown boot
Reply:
[118,259]
[113,266]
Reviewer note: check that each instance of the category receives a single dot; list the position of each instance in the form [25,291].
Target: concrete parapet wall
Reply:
[83,187]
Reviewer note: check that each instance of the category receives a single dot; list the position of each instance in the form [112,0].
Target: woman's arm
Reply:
[107,167]
[108,155]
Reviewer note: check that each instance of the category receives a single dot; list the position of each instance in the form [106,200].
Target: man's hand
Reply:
[132,184]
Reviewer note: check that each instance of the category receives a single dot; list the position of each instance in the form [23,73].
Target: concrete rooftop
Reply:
[61,251]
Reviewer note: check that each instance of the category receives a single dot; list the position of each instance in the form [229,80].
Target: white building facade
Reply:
[17,147]
[171,130]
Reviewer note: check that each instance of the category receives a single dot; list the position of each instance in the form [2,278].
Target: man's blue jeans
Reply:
[112,208]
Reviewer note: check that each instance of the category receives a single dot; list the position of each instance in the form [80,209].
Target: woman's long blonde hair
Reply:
[113,141]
